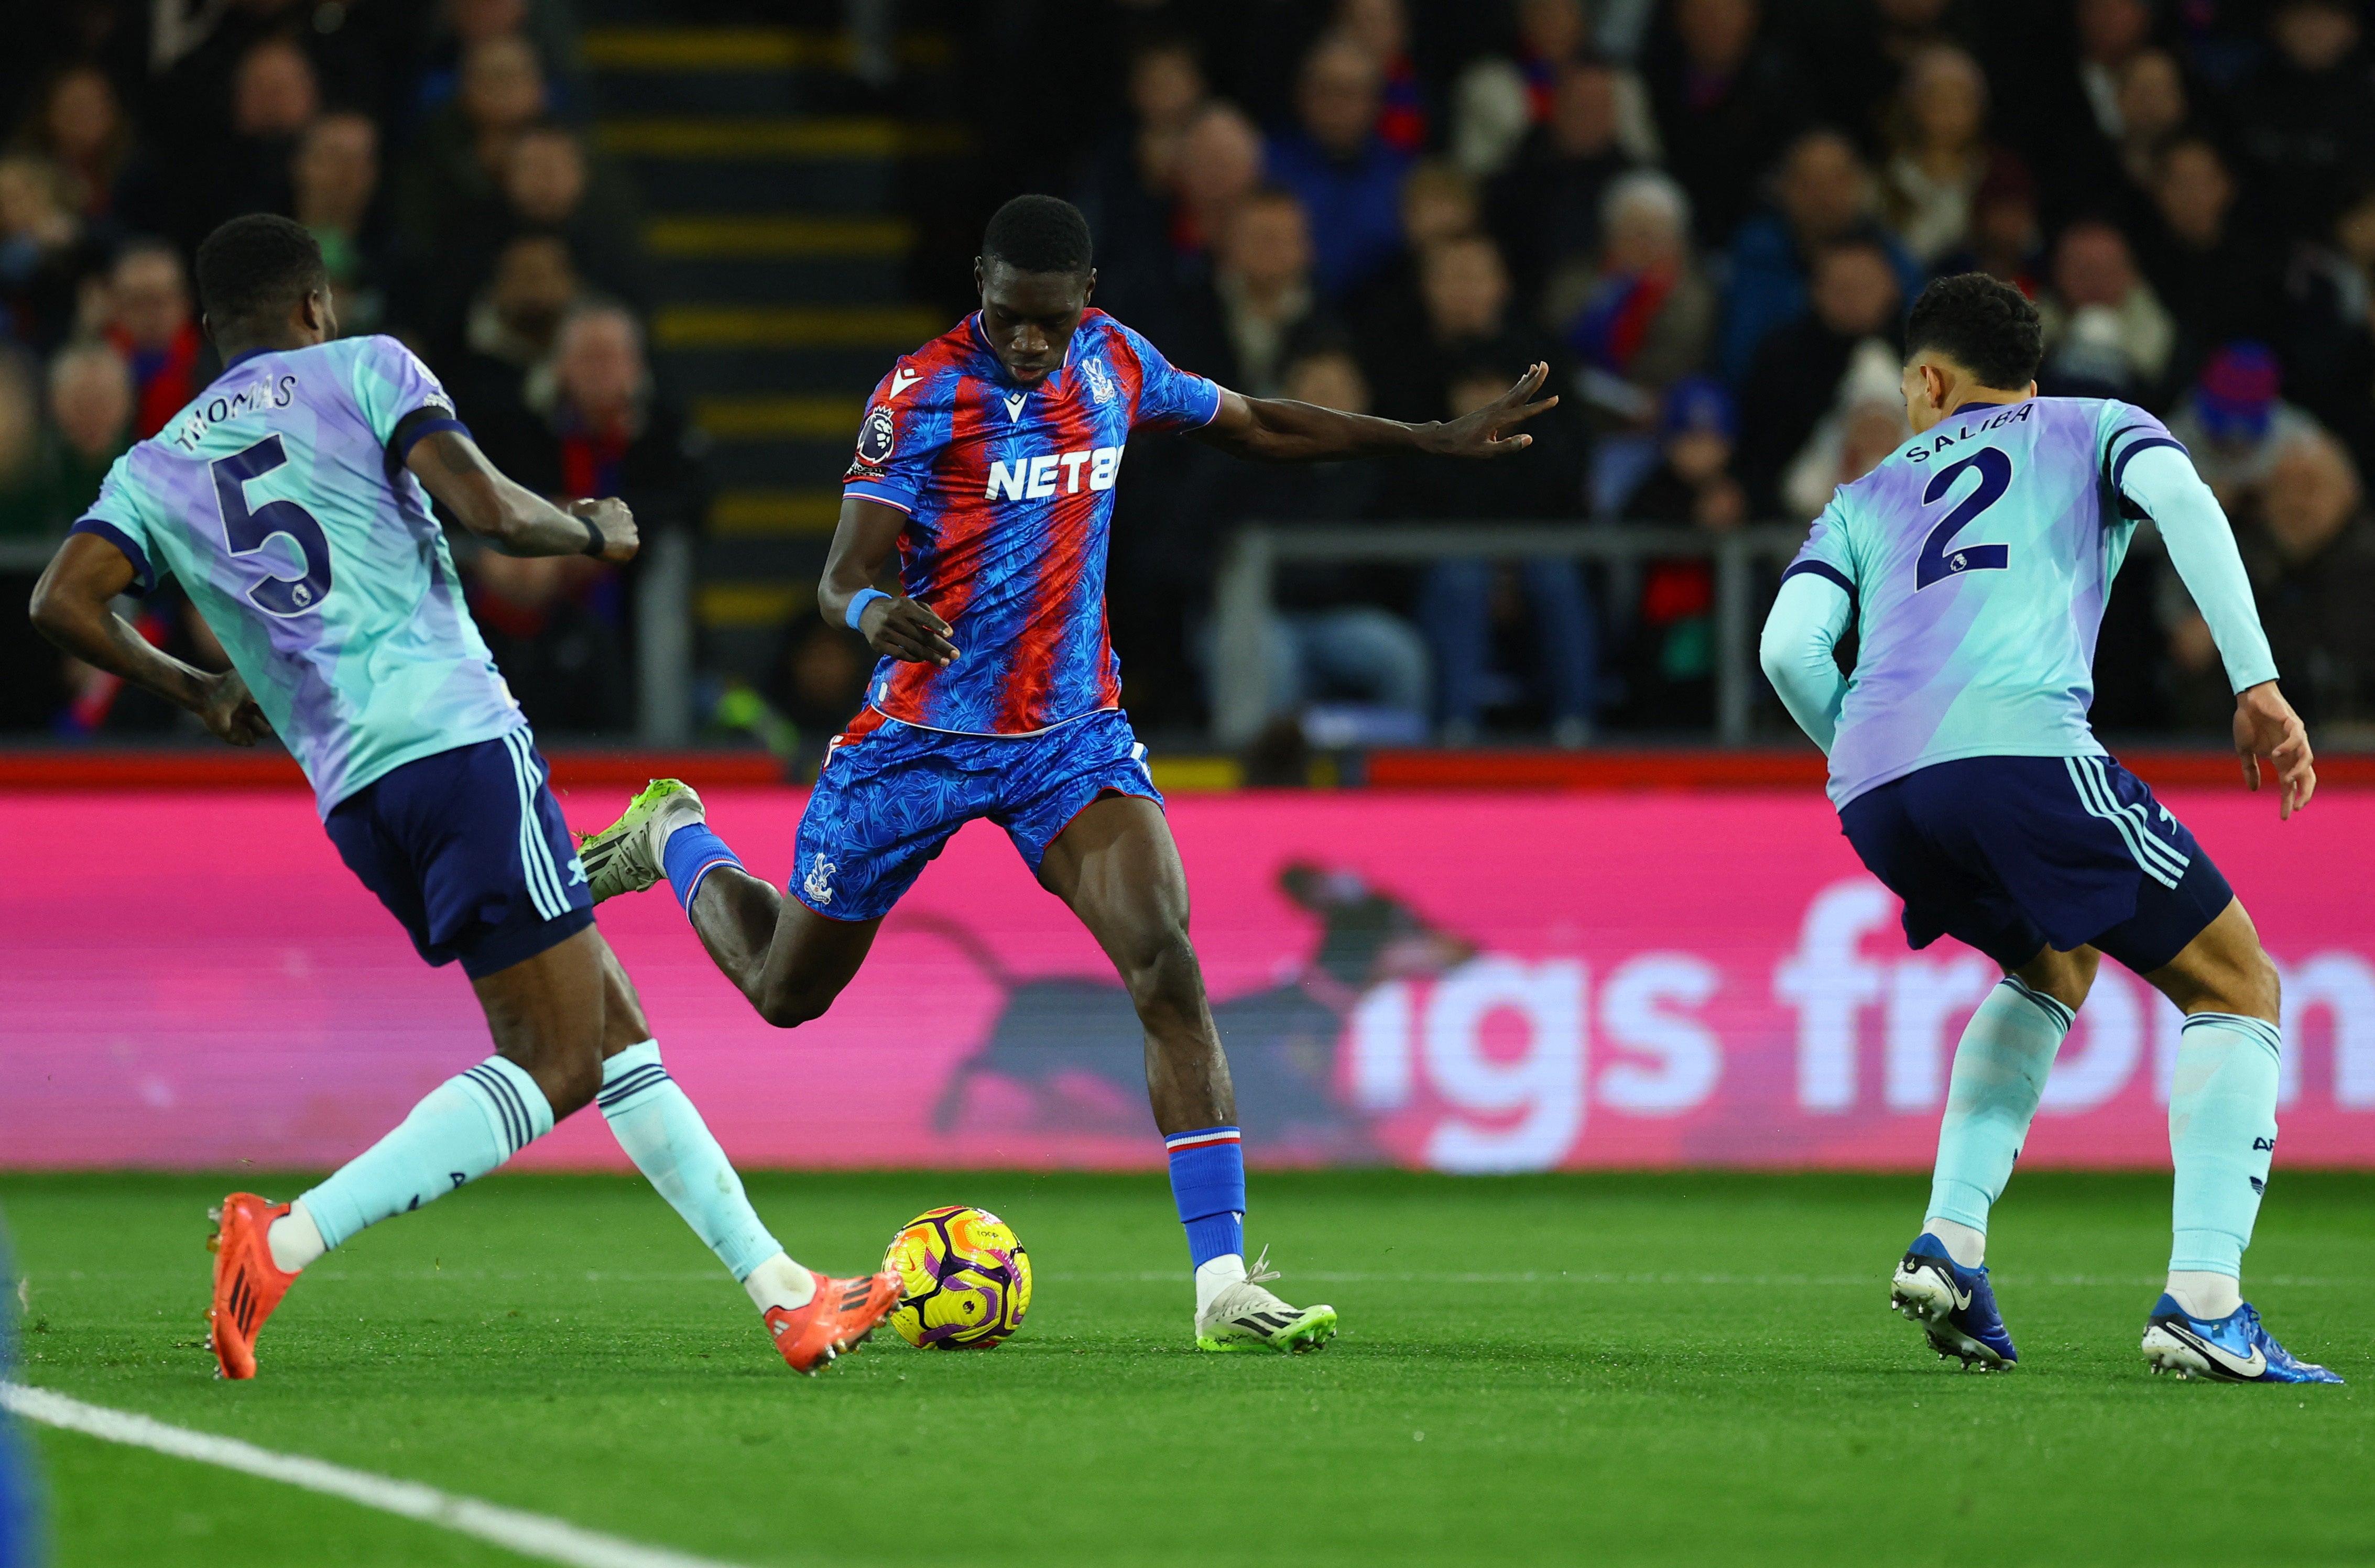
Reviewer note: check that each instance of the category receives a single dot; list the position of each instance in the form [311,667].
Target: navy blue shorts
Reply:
[468,849]
[891,794]
[2013,855]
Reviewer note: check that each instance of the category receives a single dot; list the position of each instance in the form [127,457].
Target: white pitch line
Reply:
[531,1535]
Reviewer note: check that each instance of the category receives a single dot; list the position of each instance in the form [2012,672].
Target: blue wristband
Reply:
[857,604]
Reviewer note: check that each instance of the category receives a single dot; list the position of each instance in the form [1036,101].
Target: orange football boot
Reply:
[247,1287]
[836,1320]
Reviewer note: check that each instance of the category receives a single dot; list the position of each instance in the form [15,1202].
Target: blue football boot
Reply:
[2237,1347]
[1955,1306]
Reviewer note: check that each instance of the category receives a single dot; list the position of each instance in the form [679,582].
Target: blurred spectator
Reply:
[1939,154]
[2112,34]
[336,176]
[91,410]
[1348,177]
[1220,165]
[150,324]
[1824,196]
[1240,327]
[1545,207]
[26,491]
[1499,100]
[45,251]
[510,331]
[562,664]
[81,127]
[1863,425]
[1128,192]
[2234,425]
[2006,241]
[1466,604]
[2106,333]
[1798,371]
[1723,103]
[1670,654]
[1439,203]
[1643,317]
[2307,115]
[596,426]
[1465,290]
[2221,278]
[274,97]
[2311,555]
[819,679]
[2153,109]
[1382,26]
[2329,352]
[456,163]
[549,186]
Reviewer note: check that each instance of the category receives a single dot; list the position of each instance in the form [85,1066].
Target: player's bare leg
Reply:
[1118,869]
[787,959]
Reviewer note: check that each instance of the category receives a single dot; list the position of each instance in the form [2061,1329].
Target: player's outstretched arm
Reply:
[73,606]
[894,625]
[1278,429]
[513,518]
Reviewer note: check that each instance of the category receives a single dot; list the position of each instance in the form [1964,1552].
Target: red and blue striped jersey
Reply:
[1009,495]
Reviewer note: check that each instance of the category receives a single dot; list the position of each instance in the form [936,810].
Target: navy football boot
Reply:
[2237,1347]
[1955,1306]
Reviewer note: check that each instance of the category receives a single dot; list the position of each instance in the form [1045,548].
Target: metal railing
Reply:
[1242,596]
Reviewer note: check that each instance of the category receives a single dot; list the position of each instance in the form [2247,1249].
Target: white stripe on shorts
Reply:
[536,855]
[2157,860]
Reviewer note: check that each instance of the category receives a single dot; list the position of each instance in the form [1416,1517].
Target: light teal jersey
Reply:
[279,500]
[1979,558]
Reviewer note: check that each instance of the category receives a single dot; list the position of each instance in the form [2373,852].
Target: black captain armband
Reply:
[425,420]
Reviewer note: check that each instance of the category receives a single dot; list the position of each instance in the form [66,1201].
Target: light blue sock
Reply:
[2222,1135]
[466,1128]
[671,1145]
[1999,1077]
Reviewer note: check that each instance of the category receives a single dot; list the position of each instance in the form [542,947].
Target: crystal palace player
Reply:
[988,458]
[1975,564]
[289,502]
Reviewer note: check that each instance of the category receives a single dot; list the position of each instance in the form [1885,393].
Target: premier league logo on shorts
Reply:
[877,436]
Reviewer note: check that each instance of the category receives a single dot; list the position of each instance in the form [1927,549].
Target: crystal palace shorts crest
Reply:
[891,794]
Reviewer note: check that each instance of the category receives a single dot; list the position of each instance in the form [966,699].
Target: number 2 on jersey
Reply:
[246,532]
[1937,561]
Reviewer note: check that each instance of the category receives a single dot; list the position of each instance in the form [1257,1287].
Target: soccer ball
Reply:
[964,1281]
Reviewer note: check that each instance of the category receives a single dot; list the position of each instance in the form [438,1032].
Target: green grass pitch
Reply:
[1685,1369]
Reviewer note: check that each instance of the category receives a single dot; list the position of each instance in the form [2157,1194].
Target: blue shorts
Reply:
[890,795]
[2013,855]
[468,849]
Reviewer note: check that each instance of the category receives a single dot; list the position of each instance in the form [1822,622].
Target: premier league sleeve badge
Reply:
[877,436]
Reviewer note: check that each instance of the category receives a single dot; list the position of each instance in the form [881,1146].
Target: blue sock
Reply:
[691,853]
[2222,1136]
[1208,1178]
[671,1145]
[1999,1078]
[466,1128]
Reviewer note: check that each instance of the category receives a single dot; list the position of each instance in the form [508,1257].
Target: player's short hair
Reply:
[1984,325]
[255,270]
[1039,234]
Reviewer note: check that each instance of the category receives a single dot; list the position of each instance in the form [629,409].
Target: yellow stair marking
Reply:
[729,235]
[747,605]
[895,328]
[778,419]
[740,49]
[1195,775]
[759,514]
[733,137]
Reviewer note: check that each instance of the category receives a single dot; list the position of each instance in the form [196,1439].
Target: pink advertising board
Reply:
[1462,982]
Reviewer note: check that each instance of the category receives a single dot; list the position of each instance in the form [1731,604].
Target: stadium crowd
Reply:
[1711,215]
[438,151]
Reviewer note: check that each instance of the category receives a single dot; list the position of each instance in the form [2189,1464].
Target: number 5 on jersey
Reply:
[1937,561]
[246,532]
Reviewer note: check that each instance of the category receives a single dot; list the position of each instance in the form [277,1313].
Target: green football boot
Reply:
[625,856]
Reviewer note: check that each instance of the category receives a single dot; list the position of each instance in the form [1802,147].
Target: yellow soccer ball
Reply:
[964,1281]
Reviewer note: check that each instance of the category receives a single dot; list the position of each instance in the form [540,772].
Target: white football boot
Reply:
[1243,1317]
[625,856]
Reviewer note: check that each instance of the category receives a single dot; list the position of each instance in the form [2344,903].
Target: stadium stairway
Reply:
[778,245]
